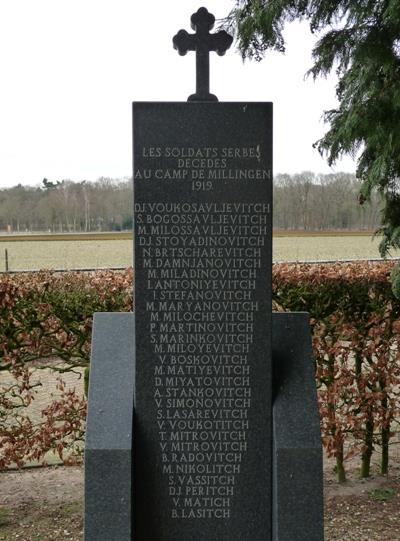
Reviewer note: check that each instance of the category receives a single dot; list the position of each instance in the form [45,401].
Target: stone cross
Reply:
[202,42]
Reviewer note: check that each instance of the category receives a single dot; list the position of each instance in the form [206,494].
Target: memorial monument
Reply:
[202,421]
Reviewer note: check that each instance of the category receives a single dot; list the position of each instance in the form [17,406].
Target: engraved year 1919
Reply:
[202,185]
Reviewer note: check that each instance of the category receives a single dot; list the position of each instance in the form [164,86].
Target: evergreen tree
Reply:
[360,39]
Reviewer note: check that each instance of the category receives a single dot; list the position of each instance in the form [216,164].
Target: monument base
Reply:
[297,492]
[297,501]
[109,429]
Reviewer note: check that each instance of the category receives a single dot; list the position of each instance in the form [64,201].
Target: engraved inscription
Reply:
[201,261]
[202,166]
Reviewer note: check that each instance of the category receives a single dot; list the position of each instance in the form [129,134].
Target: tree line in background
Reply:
[304,201]
[66,206]
[312,202]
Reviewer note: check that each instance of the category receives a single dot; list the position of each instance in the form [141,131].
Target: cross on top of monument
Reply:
[202,42]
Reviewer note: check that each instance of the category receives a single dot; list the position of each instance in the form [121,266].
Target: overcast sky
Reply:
[71,68]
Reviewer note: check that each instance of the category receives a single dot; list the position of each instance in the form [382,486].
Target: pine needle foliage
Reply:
[360,40]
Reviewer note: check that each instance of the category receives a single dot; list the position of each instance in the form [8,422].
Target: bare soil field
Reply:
[116,250]
[65,254]
[324,248]
[46,504]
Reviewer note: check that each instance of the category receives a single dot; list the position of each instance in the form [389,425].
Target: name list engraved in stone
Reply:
[201,262]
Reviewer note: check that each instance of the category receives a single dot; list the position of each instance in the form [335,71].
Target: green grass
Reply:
[4,517]
[382,494]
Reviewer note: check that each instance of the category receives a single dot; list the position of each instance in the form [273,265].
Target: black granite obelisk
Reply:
[202,193]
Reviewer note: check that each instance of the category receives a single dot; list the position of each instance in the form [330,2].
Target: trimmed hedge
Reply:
[44,316]
[355,326]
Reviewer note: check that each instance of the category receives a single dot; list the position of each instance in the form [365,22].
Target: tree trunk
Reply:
[369,447]
[341,472]
[385,431]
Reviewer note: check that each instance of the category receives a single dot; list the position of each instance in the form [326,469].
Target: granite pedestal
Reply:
[297,454]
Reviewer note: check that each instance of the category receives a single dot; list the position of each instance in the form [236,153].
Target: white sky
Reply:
[71,68]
